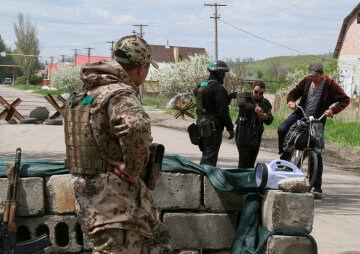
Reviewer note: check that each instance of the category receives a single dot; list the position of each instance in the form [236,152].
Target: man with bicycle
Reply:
[317,92]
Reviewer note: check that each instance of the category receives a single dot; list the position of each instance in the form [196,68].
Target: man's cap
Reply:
[316,69]
[137,50]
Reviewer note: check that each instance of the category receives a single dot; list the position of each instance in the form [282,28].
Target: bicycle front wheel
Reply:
[309,166]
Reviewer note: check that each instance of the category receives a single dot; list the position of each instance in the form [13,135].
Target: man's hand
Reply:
[291,105]
[262,116]
[329,113]
[119,171]
[231,134]
[258,109]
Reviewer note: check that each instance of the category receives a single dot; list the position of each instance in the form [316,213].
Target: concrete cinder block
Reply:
[64,232]
[285,210]
[176,190]
[30,196]
[277,244]
[201,231]
[189,252]
[220,201]
[59,194]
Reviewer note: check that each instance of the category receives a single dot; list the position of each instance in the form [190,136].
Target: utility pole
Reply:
[112,48]
[215,17]
[75,55]
[63,58]
[141,29]
[89,50]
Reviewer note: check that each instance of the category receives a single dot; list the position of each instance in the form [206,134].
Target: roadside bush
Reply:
[182,77]
[66,78]
[36,80]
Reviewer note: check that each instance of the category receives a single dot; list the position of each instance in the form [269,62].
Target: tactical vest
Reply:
[82,153]
[204,120]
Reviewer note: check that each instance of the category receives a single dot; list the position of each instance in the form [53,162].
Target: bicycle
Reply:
[304,141]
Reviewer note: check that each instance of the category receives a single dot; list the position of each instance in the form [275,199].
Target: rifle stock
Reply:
[8,230]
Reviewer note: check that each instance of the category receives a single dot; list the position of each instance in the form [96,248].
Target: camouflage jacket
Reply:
[104,200]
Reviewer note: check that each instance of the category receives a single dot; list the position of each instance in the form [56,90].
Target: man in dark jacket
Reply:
[254,112]
[213,112]
[317,92]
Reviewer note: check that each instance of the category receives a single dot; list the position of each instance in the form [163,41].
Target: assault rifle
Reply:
[8,242]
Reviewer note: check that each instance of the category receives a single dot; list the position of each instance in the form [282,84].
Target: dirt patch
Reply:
[334,155]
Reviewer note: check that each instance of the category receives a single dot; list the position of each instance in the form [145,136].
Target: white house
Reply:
[347,51]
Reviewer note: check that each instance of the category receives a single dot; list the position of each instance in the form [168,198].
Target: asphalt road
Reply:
[337,216]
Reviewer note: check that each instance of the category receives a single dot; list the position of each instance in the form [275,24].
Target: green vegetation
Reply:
[343,133]
[155,102]
[37,89]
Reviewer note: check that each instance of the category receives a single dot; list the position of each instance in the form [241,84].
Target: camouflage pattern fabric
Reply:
[119,241]
[138,51]
[121,128]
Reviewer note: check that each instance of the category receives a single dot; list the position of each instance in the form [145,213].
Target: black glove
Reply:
[231,134]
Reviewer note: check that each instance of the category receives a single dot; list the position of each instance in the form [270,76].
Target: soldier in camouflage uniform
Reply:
[108,138]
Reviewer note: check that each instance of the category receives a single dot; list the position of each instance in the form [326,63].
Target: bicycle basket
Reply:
[292,134]
[301,140]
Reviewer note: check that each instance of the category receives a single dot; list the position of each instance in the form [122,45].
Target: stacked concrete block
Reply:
[285,210]
[64,232]
[201,230]
[59,195]
[290,211]
[288,244]
[220,201]
[31,196]
[178,191]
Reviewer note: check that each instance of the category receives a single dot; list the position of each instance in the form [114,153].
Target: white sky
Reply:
[308,26]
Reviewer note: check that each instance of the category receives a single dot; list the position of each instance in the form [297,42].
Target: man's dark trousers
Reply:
[211,147]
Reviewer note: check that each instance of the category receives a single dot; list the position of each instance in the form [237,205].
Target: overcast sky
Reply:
[244,29]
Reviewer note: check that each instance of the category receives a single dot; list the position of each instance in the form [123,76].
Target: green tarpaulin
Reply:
[250,237]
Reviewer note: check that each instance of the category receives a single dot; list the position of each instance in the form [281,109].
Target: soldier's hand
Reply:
[231,134]
[119,171]
[121,130]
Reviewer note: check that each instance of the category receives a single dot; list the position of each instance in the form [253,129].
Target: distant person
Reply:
[213,112]
[317,92]
[254,112]
[108,139]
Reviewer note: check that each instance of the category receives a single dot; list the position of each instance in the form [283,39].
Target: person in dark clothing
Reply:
[254,112]
[213,112]
[317,93]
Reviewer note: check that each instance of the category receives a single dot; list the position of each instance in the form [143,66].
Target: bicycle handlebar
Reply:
[304,114]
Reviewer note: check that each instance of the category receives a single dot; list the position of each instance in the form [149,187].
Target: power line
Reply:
[275,43]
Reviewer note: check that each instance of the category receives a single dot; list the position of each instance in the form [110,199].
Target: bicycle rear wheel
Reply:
[309,166]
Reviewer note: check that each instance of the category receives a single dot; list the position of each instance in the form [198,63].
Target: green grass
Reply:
[343,133]
[156,102]
[37,89]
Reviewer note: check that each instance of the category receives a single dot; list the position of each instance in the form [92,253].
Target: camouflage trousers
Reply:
[121,241]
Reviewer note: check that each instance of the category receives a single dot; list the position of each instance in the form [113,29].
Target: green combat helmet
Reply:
[218,66]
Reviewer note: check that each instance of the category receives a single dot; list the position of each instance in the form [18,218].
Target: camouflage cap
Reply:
[137,50]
